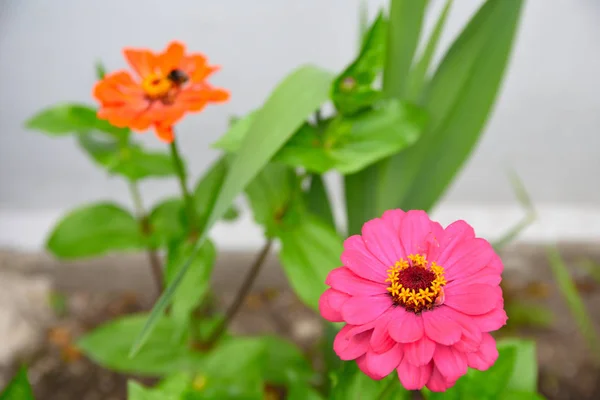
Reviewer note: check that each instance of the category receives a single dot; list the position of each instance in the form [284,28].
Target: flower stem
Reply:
[241,295]
[155,264]
[187,197]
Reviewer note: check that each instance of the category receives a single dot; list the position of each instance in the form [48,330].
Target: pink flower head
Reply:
[416,298]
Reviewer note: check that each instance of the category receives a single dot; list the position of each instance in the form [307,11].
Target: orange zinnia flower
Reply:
[167,86]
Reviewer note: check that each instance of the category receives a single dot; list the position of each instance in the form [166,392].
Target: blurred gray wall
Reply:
[546,124]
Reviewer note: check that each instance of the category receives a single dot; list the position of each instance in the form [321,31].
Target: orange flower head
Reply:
[165,87]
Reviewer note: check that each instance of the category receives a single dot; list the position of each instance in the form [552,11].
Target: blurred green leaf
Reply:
[574,301]
[93,230]
[283,362]
[109,344]
[300,94]
[404,30]
[516,395]
[418,73]
[100,70]
[168,221]
[233,138]
[197,279]
[135,391]
[459,99]
[129,160]
[308,253]
[207,189]
[528,315]
[71,118]
[353,89]
[18,388]
[524,375]
[349,383]
[317,200]
[349,144]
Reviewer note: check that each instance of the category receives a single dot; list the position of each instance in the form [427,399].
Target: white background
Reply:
[546,124]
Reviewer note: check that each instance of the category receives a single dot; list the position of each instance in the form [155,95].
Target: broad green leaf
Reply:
[459,99]
[283,362]
[300,94]
[109,345]
[168,221]
[94,230]
[317,200]
[130,161]
[524,376]
[353,89]
[308,253]
[569,291]
[303,392]
[360,192]
[516,395]
[135,391]
[350,383]
[271,196]
[197,279]
[404,30]
[419,71]
[233,138]
[349,144]
[207,189]
[18,388]
[71,118]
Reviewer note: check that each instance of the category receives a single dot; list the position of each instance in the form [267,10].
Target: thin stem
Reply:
[181,174]
[155,264]
[241,295]
[388,388]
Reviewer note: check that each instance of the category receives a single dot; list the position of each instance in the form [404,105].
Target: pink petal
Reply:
[437,382]
[384,363]
[432,241]
[405,326]
[415,227]
[344,280]
[362,365]
[413,378]
[382,241]
[348,346]
[454,234]
[360,260]
[440,327]
[468,258]
[486,356]
[471,334]
[487,276]
[492,320]
[419,353]
[451,363]
[328,312]
[363,309]
[381,340]
[474,299]
[393,218]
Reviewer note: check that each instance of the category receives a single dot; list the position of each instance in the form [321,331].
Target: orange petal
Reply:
[164,132]
[142,61]
[116,87]
[218,95]
[171,58]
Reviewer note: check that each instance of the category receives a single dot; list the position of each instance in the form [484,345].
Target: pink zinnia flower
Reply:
[416,298]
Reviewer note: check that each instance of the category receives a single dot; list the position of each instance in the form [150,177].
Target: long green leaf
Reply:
[404,30]
[317,200]
[459,99]
[18,388]
[300,94]
[419,71]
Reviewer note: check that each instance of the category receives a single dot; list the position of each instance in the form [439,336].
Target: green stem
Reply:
[188,199]
[155,264]
[389,387]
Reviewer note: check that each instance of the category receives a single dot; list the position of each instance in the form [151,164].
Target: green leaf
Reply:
[353,89]
[127,160]
[168,221]
[419,71]
[287,108]
[100,70]
[166,352]
[303,392]
[135,391]
[197,279]
[351,384]
[361,197]
[207,190]
[349,144]
[459,99]
[94,230]
[283,363]
[18,388]
[404,30]
[317,200]
[516,395]
[571,295]
[308,253]
[524,376]
[71,118]
[233,138]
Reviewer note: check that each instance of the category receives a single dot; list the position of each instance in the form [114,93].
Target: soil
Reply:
[114,286]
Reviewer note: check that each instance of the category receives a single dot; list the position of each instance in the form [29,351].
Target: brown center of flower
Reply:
[416,284]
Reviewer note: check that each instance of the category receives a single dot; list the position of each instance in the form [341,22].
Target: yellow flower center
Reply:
[416,284]
[156,86]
